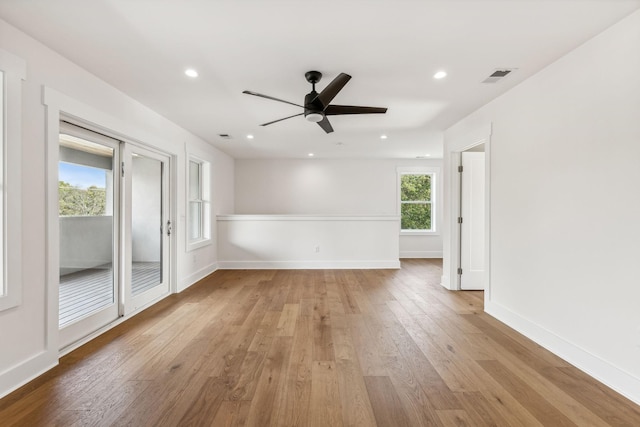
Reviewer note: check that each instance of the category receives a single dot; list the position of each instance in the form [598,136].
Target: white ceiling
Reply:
[392,48]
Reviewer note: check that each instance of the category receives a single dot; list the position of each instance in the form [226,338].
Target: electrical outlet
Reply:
[317,249]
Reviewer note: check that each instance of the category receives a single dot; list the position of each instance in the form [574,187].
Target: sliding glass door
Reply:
[114,228]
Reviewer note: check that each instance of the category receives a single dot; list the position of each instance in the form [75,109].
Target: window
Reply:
[198,203]
[12,72]
[416,200]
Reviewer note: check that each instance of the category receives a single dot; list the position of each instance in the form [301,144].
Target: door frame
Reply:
[59,106]
[451,244]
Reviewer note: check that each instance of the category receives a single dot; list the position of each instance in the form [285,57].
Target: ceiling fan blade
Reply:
[335,110]
[324,124]
[333,88]
[248,92]
[279,120]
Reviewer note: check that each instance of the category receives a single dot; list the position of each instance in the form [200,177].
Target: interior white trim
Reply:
[306,218]
[306,265]
[14,73]
[28,370]
[192,279]
[608,374]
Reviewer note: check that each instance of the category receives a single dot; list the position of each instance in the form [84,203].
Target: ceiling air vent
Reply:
[224,135]
[498,75]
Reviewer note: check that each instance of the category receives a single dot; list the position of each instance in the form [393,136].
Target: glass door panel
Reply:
[146,226]
[146,257]
[87,201]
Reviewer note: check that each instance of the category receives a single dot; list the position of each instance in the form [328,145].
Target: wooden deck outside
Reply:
[86,291]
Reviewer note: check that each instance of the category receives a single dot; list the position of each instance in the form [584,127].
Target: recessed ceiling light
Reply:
[440,75]
[310,154]
[383,136]
[191,73]
[249,136]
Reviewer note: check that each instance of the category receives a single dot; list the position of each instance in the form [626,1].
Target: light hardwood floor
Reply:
[321,348]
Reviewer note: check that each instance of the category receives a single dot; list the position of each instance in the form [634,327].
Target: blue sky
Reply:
[81,176]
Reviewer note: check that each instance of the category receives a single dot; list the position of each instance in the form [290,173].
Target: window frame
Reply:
[13,73]
[433,173]
[204,199]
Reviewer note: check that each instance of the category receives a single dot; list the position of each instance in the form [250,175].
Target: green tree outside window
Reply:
[76,201]
[415,201]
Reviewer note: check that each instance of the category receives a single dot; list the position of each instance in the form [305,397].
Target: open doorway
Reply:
[473,145]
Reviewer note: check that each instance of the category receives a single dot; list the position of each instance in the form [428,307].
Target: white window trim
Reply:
[435,192]
[205,187]
[14,72]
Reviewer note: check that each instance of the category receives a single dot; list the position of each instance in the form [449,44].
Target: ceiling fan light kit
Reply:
[314,117]
[317,106]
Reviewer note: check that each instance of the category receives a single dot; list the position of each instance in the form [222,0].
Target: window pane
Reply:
[416,216]
[84,172]
[146,223]
[85,196]
[415,187]
[195,227]
[194,180]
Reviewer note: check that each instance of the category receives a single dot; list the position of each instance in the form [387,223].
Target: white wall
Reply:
[256,241]
[31,347]
[565,236]
[329,187]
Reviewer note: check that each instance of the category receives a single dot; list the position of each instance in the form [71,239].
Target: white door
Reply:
[147,227]
[88,215]
[472,208]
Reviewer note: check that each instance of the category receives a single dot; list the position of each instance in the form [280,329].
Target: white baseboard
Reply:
[603,371]
[420,254]
[19,375]
[446,282]
[197,276]
[306,265]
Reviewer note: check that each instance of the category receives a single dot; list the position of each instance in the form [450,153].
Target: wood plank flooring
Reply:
[316,348]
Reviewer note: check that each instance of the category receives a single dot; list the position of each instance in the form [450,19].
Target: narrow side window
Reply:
[198,203]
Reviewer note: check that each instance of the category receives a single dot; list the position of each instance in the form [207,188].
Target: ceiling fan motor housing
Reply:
[313,107]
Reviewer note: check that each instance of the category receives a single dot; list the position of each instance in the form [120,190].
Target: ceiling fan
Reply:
[317,105]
